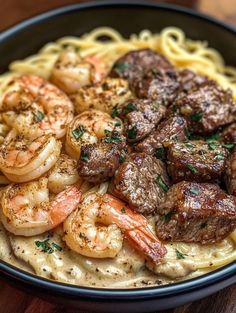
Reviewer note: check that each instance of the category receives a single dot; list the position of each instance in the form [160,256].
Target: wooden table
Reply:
[15,301]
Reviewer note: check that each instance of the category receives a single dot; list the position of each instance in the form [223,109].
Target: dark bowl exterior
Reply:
[127,17]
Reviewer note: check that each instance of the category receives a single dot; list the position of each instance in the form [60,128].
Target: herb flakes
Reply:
[160,182]
[39,116]
[114,112]
[196,117]
[194,191]
[179,254]
[130,107]
[132,133]
[121,67]
[228,146]
[47,247]
[192,168]
[166,217]
[78,132]
[160,153]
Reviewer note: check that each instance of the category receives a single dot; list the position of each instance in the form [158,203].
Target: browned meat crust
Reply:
[141,181]
[196,212]
[196,161]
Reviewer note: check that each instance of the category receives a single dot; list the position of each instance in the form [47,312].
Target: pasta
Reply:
[198,259]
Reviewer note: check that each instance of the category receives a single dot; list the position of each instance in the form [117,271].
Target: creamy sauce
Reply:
[127,270]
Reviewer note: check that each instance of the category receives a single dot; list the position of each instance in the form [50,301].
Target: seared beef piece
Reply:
[207,108]
[134,64]
[229,134]
[162,86]
[141,181]
[150,75]
[98,162]
[196,161]
[169,131]
[230,174]
[140,117]
[196,212]
[190,80]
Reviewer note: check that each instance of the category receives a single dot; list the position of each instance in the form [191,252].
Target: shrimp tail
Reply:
[146,243]
[64,203]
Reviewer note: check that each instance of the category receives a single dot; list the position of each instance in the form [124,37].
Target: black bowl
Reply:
[127,17]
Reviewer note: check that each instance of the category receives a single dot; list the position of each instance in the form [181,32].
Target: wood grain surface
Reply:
[15,301]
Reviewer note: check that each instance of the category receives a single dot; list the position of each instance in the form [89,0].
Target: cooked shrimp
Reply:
[47,107]
[22,160]
[100,67]
[83,235]
[27,211]
[89,127]
[103,96]
[63,174]
[70,72]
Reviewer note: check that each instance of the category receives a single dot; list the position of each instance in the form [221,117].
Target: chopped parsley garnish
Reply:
[196,117]
[132,133]
[122,157]
[78,132]
[112,137]
[220,157]
[228,145]
[114,112]
[84,156]
[123,210]
[166,217]
[156,105]
[192,168]
[194,191]
[121,67]
[212,137]
[47,247]
[56,246]
[187,133]
[39,116]
[179,254]
[189,145]
[203,225]
[160,182]
[117,124]
[130,107]
[213,145]
[160,153]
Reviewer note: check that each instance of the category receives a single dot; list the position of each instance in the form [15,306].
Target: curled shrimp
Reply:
[95,229]
[87,128]
[70,72]
[26,209]
[63,174]
[23,159]
[103,96]
[44,105]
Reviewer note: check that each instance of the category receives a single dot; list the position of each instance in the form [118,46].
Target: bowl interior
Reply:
[26,38]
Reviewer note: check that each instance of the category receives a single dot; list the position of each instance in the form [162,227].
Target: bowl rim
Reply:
[17,274]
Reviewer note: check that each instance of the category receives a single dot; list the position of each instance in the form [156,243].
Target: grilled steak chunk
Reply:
[207,108]
[99,161]
[229,134]
[150,75]
[159,85]
[196,161]
[169,131]
[132,65]
[141,181]
[230,174]
[140,117]
[196,212]
[190,80]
